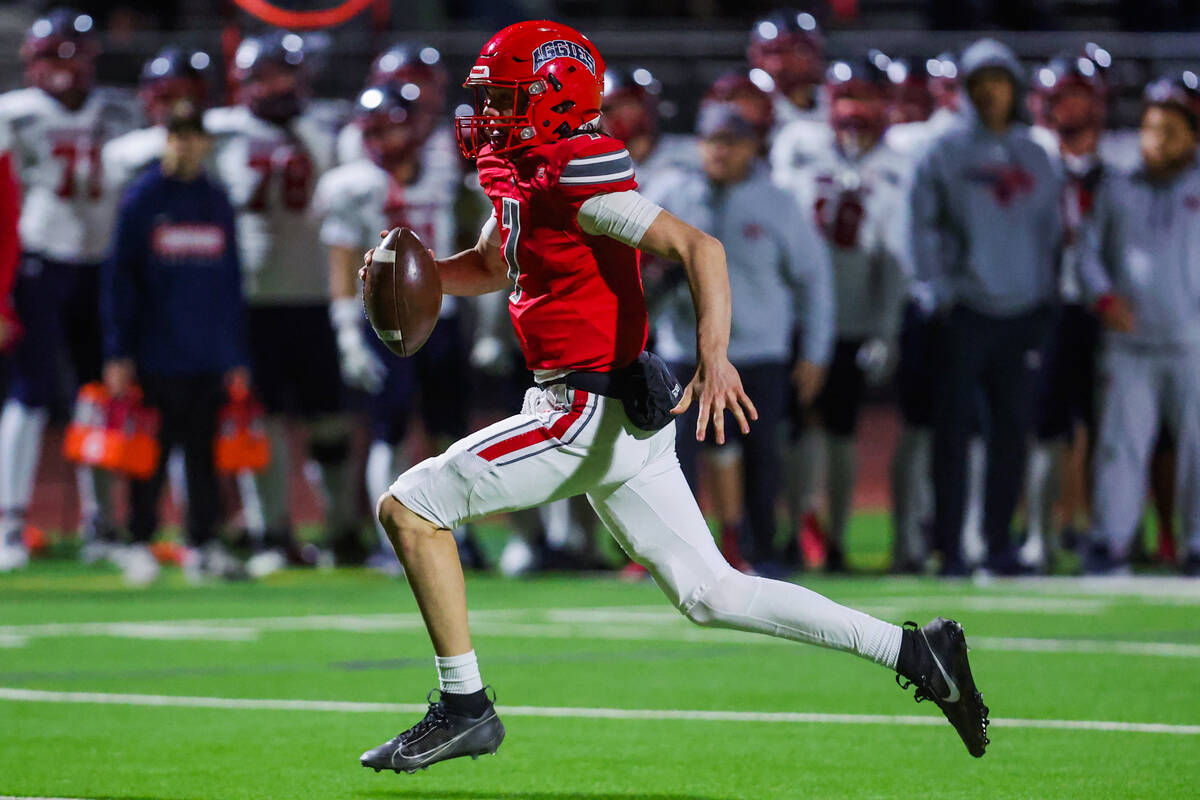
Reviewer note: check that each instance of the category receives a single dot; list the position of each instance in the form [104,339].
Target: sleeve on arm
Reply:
[1099,255]
[341,224]
[233,277]
[602,169]
[810,273]
[928,239]
[119,282]
[624,216]
[10,245]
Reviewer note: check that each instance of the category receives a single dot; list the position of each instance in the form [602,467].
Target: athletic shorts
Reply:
[565,442]
[58,305]
[294,358]
[841,398]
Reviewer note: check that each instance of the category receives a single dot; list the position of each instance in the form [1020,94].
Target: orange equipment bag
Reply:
[242,444]
[116,434]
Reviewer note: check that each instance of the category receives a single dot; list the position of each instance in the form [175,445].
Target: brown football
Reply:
[402,292]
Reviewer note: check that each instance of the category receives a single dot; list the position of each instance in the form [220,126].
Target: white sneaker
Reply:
[1033,553]
[516,559]
[268,562]
[217,562]
[12,557]
[138,565]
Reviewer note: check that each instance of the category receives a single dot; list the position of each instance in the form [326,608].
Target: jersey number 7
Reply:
[510,220]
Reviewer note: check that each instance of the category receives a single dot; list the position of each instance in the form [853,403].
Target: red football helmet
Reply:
[173,75]
[858,98]
[556,80]
[753,103]
[395,122]
[416,63]
[787,45]
[1069,95]
[270,74]
[910,95]
[943,81]
[59,54]
[630,103]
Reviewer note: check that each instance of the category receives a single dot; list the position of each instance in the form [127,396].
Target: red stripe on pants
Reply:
[537,435]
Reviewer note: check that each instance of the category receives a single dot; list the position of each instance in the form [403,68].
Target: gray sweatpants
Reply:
[1140,387]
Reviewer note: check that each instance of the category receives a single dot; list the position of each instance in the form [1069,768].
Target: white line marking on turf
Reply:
[177,701]
[11,797]
[617,623]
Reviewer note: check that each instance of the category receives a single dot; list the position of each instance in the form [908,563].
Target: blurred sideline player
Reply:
[916,371]
[270,153]
[406,63]
[1069,103]
[55,130]
[409,177]
[780,277]
[173,320]
[787,59]
[563,241]
[855,187]
[12,554]
[631,113]
[1147,231]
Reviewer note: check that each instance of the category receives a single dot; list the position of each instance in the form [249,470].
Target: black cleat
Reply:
[941,673]
[440,736]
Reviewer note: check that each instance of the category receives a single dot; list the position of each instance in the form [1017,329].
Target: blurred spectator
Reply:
[855,186]
[55,129]
[986,233]
[779,271]
[173,322]
[1147,232]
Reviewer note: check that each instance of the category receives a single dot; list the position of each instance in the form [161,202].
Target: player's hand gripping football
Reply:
[717,387]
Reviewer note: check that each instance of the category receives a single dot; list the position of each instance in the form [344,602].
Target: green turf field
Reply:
[115,693]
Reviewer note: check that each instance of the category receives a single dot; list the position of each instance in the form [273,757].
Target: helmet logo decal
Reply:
[561,48]
[480,71]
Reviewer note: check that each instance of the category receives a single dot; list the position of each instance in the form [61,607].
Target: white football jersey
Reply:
[270,173]
[796,144]
[356,201]
[860,207]
[125,157]
[787,112]
[911,138]
[67,210]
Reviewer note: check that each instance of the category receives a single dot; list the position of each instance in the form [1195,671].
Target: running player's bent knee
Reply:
[722,601]
[406,530]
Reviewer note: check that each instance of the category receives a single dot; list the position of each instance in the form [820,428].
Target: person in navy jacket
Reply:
[173,321]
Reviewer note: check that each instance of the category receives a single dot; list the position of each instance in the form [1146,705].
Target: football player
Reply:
[171,76]
[787,59]
[563,243]
[910,99]
[406,63]
[855,187]
[912,488]
[409,178]
[270,154]
[1069,104]
[55,129]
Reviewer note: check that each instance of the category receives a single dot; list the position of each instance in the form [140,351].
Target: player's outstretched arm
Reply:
[716,386]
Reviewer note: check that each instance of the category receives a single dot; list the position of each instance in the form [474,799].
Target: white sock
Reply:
[974,548]
[381,471]
[460,674]
[804,472]
[20,449]
[843,468]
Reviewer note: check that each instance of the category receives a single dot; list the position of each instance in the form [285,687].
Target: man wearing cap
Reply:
[779,271]
[986,230]
[172,320]
[1146,277]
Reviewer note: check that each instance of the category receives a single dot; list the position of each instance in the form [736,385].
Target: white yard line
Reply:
[617,623]
[173,701]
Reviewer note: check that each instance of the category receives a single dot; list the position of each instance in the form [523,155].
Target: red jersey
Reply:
[577,301]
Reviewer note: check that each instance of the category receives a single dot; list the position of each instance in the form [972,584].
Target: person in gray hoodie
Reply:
[1145,274]
[986,231]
